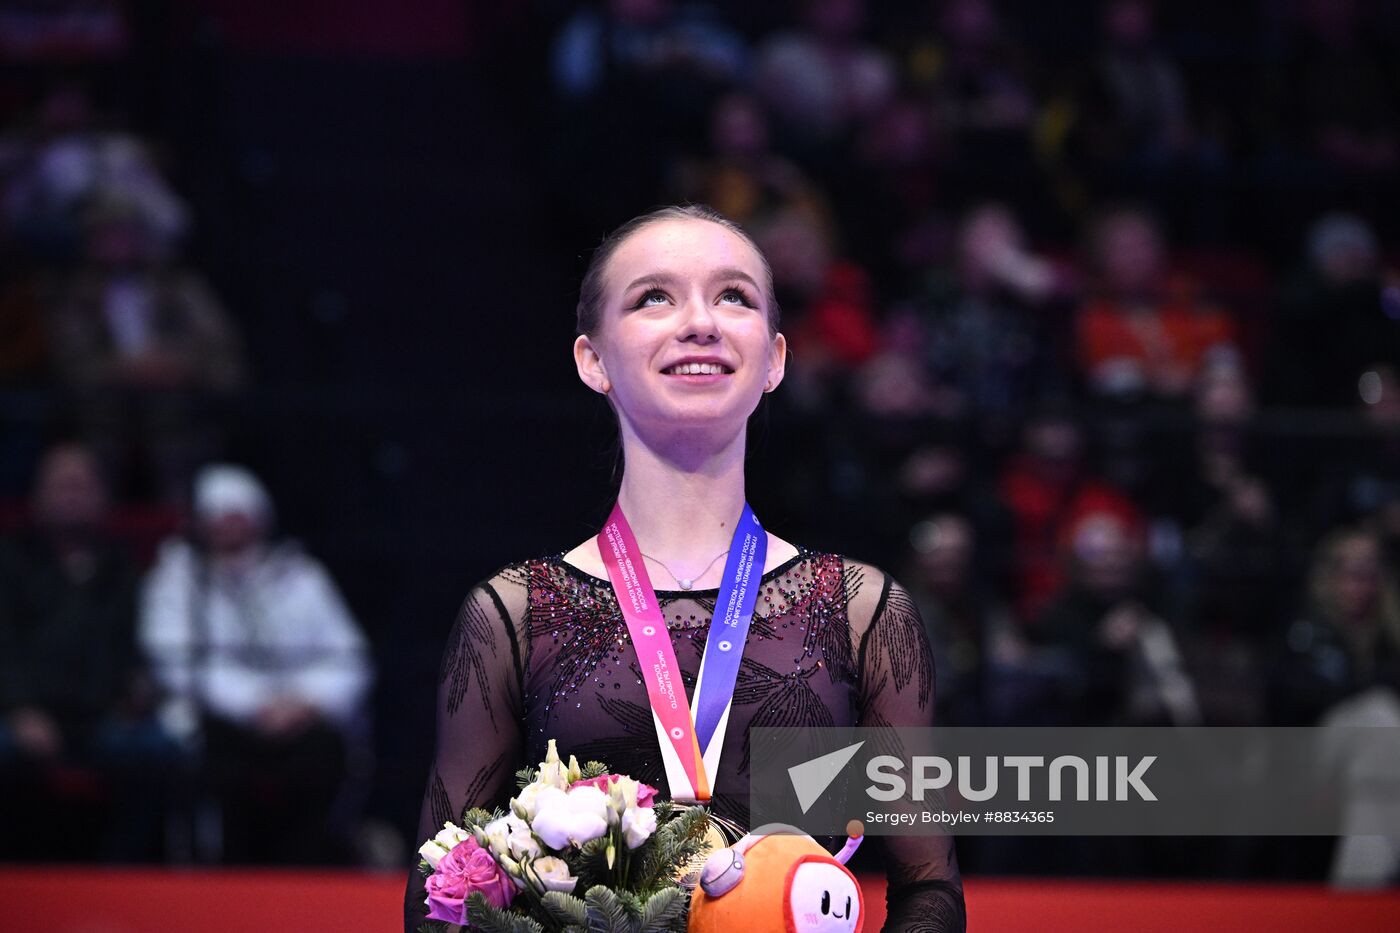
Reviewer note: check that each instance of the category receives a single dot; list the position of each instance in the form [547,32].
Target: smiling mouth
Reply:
[697,369]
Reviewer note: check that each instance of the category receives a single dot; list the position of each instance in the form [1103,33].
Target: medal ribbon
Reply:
[690,748]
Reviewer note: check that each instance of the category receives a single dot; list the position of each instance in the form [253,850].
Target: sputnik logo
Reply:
[811,778]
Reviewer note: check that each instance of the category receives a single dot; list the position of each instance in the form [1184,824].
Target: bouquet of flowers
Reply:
[582,850]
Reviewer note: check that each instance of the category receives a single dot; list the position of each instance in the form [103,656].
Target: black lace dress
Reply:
[540,650]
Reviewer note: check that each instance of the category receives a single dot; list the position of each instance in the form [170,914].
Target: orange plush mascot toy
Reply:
[777,878]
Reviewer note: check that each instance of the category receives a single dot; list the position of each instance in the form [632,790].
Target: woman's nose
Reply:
[698,321]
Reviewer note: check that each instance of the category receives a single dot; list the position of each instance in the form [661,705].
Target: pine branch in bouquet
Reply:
[677,841]
[566,910]
[488,919]
[606,913]
[476,816]
[590,864]
[525,777]
[664,910]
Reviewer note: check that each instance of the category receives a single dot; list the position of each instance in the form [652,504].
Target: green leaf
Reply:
[565,909]
[605,912]
[592,769]
[667,909]
[590,863]
[675,843]
[483,917]
[525,777]
[476,816]
[630,902]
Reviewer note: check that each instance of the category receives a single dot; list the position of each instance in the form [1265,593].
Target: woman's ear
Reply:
[777,362]
[590,365]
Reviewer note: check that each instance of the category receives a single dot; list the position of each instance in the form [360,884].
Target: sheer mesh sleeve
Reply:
[479,715]
[897,689]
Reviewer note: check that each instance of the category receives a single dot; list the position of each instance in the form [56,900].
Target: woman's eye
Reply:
[655,296]
[735,296]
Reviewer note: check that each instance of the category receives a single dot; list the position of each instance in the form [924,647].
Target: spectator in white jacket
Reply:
[263,663]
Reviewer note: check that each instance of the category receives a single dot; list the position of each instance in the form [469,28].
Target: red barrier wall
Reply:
[77,899]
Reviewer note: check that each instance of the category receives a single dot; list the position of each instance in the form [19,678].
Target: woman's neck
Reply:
[681,500]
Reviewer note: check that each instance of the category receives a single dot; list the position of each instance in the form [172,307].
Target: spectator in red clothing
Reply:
[1146,334]
[826,302]
[1048,488]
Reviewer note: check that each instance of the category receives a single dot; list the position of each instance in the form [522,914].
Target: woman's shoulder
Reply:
[864,587]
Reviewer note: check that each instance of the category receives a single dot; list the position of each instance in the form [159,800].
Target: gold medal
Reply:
[719,834]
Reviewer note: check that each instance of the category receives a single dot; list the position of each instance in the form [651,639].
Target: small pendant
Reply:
[686,584]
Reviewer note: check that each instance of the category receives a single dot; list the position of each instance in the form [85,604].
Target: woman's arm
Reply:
[925,892]
[479,718]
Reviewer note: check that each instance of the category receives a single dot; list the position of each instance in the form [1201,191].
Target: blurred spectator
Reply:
[984,345]
[828,308]
[1347,640]
[836,332]
[607,46]
[1360,482]
[980,99]
[634,82]
[263,660]
[146,349]
[1335,324]
[1119,658]
[1345,90]
[1136,115]
[77,731]
[70,165]
[821,80]
[744,179]
[1047,487]
[1145,334]
[975,639]
[1364,771]
[1213,504]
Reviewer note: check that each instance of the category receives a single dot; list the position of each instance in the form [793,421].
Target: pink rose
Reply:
[466,869]
[646,794]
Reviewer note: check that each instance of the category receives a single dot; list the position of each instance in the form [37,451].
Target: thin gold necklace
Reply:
[686,582]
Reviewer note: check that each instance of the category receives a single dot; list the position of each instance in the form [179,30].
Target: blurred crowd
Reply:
[1095,319]
[1138,464]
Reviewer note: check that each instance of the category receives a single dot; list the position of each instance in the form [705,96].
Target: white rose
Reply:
[444,842]
[512,836]
[498,833]
[432,852]
[576,817]
[553,874]
[638,823]
[450,835]
[526,802]
[523,843]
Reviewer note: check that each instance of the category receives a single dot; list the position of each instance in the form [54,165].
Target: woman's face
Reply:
[683,338]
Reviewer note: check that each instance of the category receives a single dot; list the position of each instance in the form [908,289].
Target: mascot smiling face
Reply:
[822,897]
